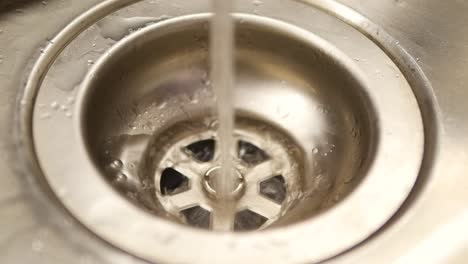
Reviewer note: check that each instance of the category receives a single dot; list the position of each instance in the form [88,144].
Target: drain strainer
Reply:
[265,166]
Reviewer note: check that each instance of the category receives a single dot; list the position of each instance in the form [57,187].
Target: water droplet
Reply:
[90,62]
[162,105]
[64,108]
[116,28]
[315,150]
[120,177]
[116,164]
[398,42]
[71,100]
[213,124]
[44,2]
[68,114]
[54,105]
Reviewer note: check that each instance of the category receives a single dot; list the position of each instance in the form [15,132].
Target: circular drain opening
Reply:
[382,130]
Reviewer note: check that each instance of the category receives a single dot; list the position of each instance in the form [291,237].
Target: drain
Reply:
[333,119]
[259,195]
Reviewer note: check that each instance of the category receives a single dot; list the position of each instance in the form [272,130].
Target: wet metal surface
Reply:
[423,121]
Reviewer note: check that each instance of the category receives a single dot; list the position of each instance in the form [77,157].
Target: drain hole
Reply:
[251,154]
[197,216]
[173,182]
[202,150]
[274,189]
[246,220]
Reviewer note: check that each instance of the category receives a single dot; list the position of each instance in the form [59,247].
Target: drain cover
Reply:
[266,173]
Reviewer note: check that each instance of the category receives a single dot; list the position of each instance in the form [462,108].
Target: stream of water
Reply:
[222,75]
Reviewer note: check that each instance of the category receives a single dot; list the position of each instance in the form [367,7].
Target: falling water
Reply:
[222,74]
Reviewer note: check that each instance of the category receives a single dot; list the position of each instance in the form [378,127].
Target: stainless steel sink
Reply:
[349,133]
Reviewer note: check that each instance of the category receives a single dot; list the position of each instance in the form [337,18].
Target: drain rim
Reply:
[291,231]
